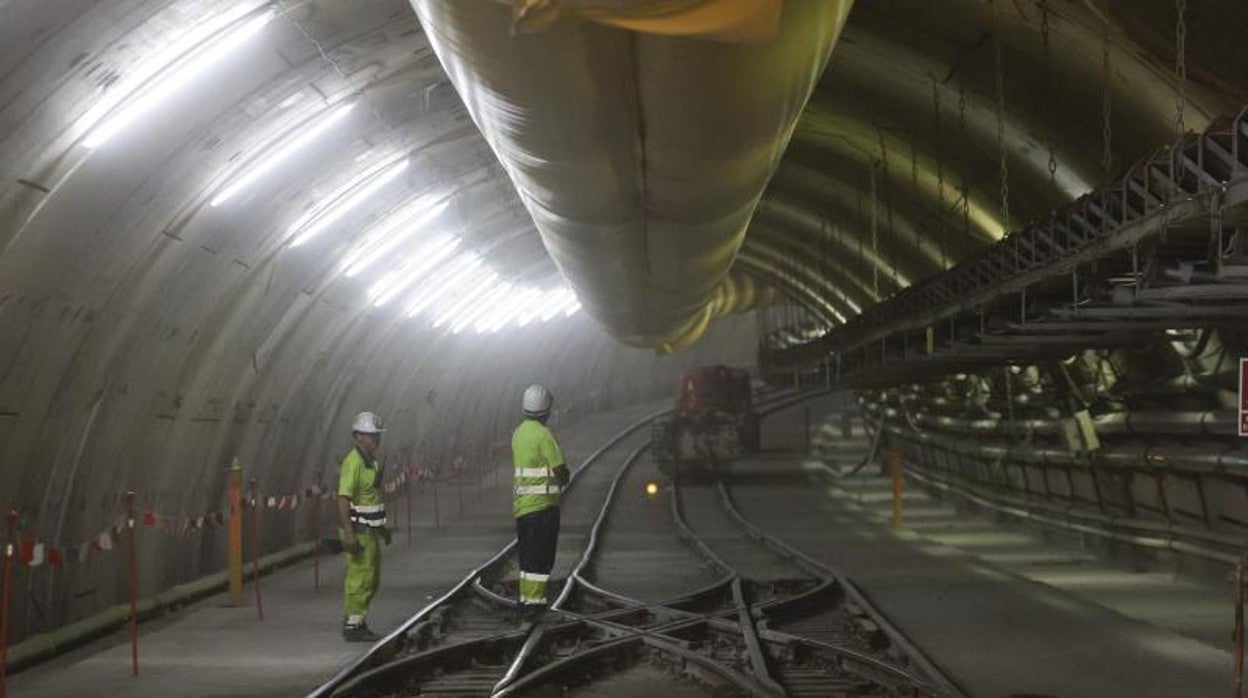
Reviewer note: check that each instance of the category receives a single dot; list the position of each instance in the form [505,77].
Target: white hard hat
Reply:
[537,401]
[366,423]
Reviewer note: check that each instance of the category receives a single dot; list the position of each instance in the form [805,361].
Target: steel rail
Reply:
[946,684]
[385,649]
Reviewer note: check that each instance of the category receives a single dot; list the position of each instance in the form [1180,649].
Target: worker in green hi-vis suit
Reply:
[362,514]
[540,476]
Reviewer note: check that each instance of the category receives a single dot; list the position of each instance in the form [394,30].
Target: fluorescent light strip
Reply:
[420,262]
[198,51]
[572,309]
[485,305]
[489,323]
[559,298]
[391,237]
[479,287]
[524,298]
[351,196]
[282,152]
[436,286]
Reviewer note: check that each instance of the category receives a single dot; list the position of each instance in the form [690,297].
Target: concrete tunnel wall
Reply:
[97,398]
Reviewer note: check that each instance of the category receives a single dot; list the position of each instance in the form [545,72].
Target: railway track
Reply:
[718,607]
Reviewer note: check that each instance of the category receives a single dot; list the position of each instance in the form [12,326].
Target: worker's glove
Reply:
[384,532]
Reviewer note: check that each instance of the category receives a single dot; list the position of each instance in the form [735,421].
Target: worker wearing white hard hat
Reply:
[362,514]
[540,476]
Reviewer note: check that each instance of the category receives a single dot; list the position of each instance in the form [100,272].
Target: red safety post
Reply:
[10,549]
[133,566]
[1237,690]
[256,506]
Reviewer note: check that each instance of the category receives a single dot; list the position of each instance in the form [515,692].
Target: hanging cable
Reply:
[875,265]
[1004,163]
[1050,93]
[940,173]
[1107,152]
[1180,66]
[966,186]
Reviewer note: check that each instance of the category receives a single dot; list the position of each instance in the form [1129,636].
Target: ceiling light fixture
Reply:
[391,234]
[283,151]
[344,200]
[411,271]
[172,70]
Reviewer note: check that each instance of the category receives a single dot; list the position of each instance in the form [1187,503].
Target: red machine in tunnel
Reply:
[713,424]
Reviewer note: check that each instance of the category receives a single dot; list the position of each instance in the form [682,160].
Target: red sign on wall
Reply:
[1243,397]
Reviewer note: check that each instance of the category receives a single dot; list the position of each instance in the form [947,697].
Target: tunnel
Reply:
[893,347]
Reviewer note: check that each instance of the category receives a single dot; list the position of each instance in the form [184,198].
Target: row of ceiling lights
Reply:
[451,288]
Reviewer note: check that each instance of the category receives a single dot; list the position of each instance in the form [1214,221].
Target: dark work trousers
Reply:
[537,536]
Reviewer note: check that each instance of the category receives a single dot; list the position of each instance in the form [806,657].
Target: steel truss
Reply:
[1162,248]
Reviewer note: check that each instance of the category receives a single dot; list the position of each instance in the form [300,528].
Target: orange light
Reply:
[652,488]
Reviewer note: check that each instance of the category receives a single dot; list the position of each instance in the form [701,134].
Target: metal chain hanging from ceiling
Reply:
[875,267]
[940,173]
[999,49]
[1180,66]
[966,185]
[888,205]
[1050,93]
[1107,152]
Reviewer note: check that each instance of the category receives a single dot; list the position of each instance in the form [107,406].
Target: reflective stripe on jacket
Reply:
[535,454]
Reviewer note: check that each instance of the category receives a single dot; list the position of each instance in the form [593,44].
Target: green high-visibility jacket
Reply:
[361,483]
[535,454]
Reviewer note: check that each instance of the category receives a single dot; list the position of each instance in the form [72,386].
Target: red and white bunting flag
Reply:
[84,549]
[199,522]
[54,557]
[104,541]
[294,502]
[32,553]
[272,502]
[149,518]
[219,517]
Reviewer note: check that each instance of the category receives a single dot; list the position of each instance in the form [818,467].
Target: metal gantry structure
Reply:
[1161,248]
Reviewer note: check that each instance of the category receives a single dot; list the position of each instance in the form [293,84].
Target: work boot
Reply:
[359,633]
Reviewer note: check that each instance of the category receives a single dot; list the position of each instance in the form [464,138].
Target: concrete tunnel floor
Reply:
[1003,610]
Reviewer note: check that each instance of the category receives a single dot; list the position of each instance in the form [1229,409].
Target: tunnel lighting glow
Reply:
[170,71]
[536,310]
[400,280]
[391,234]
[559,299]
[440,284]
[573,309]
[344,200]
[493,321]
[526,298]
[486,304]
[652,488]
[281,152]
[477,287]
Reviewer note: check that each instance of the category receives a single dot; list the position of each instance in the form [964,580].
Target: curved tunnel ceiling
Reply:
[904,125]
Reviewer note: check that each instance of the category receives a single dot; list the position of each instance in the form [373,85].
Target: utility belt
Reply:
[368,515]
